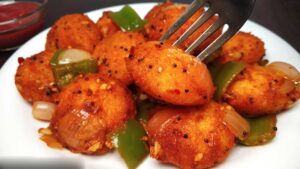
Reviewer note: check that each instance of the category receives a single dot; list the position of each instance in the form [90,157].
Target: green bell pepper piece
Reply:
[130,145]
[262,130]
[225,75]
[65,73]
[127,19]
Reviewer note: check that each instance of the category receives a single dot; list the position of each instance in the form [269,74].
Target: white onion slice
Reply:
[236,123]
[288,70]
[287,86]
[157,122]
[43,110]
[73,55]
[298,86]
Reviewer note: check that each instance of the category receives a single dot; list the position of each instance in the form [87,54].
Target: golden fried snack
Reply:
[258,91]
[34,78]
[90,110]
[106,25]
[243,47]
[190,137]
[168,74]
[112,51]
[162,16]
[73,31]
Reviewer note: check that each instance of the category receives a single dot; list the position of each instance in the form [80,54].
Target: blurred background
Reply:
[280,16]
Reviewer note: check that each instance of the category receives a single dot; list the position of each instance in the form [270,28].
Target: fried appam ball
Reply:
[243,47]
[34,78]
[258,91]
[162,16]
[112,51]
[169,74]
[90,110]
[190,137]
[73,31]
[106,25]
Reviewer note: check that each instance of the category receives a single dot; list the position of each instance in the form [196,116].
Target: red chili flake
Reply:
[131,52]
[21,60]
[90,106]
[153,27]
[175,91]
[89,92]
[158,45]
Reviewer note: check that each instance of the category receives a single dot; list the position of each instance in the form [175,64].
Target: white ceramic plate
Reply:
[19,138]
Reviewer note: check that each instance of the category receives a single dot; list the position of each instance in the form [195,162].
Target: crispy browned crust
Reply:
[162,16]
[106,25]
[91,108]
[243,47]
[258,91]
[194,138]
[34,78]
[168,74]
[73,31]
[112,51]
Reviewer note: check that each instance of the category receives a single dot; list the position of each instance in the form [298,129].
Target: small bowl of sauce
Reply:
[19,21]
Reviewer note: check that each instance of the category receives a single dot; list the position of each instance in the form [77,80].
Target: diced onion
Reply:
[287,86]
[73,55]
[298,86]
[288,70]
[51,141]
[43,110]
[156,123]
[236,123]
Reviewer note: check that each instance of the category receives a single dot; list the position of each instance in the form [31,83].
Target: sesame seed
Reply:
[95,147]
[160,69]
[105,86]
[143,97]
[41,88]
[198,157]
[84,22]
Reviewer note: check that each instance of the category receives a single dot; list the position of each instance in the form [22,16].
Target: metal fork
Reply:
[234,13]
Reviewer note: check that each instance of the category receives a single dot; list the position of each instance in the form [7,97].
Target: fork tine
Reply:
[212,29]
[193,7]
[199,22]
[217,43]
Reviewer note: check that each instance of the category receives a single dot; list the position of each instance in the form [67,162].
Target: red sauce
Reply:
[15,33]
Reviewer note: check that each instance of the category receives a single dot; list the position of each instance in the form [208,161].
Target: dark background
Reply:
[280,16]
